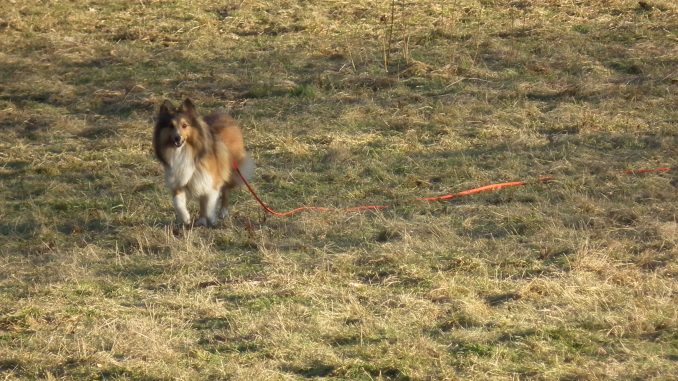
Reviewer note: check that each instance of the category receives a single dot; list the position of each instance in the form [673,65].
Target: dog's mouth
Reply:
[178,141]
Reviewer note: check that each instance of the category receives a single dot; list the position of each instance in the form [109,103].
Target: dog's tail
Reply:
[246,167]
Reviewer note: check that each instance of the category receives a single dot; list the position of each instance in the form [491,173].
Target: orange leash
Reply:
[303,208]
[429,199]
[483,189]
[639,171]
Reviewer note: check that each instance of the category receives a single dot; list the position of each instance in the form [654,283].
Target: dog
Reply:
[198,155]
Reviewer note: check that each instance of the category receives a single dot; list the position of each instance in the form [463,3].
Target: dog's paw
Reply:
[184,222]
[206,221]
[223,213]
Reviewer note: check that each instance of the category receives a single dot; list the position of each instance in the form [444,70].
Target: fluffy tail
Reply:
[246,167]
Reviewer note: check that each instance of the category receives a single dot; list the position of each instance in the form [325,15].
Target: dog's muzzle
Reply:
[178,141]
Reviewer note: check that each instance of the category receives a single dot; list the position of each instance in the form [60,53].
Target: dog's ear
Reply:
[166,108]
[188,107]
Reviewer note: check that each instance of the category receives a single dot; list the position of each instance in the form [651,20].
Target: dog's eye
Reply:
[184,125]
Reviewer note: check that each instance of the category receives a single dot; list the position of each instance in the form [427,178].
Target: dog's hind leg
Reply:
[223,213]
[179,201]
[208,209]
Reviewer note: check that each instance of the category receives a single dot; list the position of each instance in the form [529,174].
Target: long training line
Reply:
[467,192]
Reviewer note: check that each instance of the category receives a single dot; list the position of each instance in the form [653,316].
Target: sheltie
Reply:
[198,155]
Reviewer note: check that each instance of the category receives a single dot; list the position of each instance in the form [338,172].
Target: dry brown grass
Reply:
[574,279]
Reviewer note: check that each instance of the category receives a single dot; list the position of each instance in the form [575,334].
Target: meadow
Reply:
[343,103]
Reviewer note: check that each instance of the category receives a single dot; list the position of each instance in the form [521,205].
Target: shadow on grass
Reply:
[79,369]
[315,369]
[124,108]
[20,230]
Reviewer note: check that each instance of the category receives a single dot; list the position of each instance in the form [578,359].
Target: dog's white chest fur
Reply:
[183,173]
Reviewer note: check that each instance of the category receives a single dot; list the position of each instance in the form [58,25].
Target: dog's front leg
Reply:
[208,209]
[179,201]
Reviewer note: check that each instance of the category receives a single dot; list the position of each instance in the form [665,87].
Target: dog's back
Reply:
[226,130]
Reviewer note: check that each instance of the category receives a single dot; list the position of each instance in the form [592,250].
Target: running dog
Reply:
[198,155]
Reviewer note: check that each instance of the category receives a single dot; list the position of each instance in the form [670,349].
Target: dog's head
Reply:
[177,125]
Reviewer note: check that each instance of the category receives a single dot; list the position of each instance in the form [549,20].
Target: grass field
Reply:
[343,103]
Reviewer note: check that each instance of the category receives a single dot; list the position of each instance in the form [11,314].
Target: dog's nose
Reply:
[177,139]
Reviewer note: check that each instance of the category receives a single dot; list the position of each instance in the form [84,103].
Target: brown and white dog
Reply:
[198,155]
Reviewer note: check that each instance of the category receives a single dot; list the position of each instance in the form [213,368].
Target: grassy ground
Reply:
[343,103]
